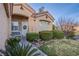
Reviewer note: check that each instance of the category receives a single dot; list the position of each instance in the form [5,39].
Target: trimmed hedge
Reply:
[32,36]
[58,34]
[45,35]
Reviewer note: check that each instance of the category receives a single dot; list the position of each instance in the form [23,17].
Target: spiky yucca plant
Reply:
[19,50]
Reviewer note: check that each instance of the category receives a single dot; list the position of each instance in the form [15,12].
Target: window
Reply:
[43,25]
[15,26]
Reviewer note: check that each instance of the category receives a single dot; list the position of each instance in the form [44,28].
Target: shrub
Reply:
[57,34]
[70,35]
[48,51]
[45,35]
[13,41]
[32,36]
[19,50]
[18,38]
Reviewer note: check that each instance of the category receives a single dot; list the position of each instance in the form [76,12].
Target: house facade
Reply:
[76,28]
[19,19]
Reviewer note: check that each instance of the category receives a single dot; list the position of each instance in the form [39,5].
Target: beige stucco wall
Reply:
[76,30]
[17,10]
[31,24]
[3,26]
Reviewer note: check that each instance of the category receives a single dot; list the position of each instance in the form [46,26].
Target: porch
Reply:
[19,25]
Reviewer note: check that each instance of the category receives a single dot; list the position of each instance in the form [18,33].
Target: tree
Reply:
[66,25]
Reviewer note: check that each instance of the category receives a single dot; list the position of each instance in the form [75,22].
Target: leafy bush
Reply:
[45,35]
[57,34]
[13,41]
[32,36]
[18,49]
[48,51]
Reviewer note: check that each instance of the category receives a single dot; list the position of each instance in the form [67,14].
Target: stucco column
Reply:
[9,27]
[10,17]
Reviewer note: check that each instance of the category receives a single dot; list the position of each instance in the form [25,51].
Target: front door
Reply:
[24,28]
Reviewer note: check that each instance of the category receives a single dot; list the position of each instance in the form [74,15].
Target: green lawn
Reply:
[63,47]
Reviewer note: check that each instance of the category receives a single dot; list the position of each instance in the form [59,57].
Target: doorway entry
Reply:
[24,28]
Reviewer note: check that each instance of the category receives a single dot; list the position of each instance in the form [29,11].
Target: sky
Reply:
[58,10]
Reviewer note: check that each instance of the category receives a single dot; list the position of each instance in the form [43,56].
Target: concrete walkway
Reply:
[25,42]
